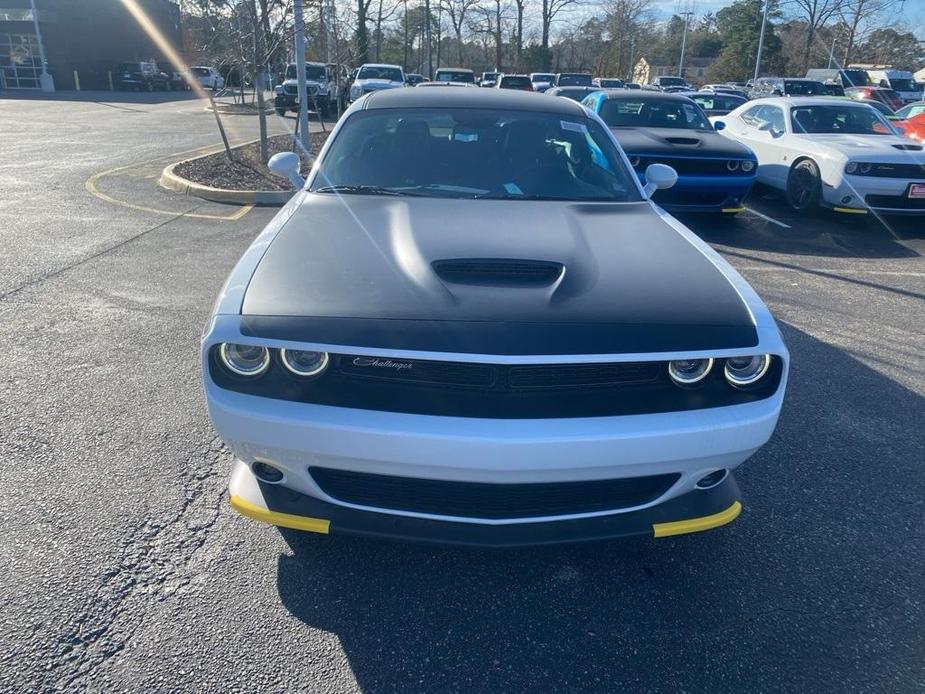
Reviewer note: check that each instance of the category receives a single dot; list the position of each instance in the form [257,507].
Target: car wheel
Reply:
[804,188]
[280,111]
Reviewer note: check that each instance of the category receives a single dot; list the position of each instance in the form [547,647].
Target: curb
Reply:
[178,184]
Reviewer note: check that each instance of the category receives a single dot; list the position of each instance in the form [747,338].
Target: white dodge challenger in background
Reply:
[472,326]
[830,152]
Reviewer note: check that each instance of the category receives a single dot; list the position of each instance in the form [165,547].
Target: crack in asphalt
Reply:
[154,565]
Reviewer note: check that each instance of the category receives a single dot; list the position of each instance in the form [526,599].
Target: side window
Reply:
[775,117]
[751,116]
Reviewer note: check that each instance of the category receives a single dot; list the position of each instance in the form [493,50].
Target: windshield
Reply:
[314,73]
[805,88]
[672,81]
[838,119]
[516,81]
[880,106]
[618,113]
[857,78]
[542,77]
[612,84]
[204,71]
[567,80]
[372,72]
[901,84]
[475,153]
[911,110]
[454,76]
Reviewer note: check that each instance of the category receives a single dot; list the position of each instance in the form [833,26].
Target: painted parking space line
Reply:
[767,219]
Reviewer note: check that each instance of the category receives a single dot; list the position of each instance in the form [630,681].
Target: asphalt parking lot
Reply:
[124,569]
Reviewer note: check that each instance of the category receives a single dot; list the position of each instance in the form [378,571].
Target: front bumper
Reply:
[692,512]
[705,194]
[863,194]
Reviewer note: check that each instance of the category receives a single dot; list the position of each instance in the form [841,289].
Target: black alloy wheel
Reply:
[804,187]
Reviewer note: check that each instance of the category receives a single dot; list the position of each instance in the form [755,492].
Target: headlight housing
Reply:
[304,363]
[732,165]
[687,372]
[634,162]
[748,165]
[742,372]
[851,167]
[244,360]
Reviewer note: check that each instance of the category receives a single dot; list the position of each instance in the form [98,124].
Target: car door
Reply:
[761,128]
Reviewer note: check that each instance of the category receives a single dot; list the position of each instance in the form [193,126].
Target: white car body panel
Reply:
[778,151]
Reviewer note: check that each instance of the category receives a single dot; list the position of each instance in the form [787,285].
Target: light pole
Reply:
[430,64]
[764,20]
[300,73]
[687,16]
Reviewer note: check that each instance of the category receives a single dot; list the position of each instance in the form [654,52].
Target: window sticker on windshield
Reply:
[574,127]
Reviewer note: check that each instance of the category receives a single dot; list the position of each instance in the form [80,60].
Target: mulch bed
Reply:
[246,171]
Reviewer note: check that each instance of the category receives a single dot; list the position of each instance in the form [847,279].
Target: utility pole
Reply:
[631,76]
[831,52]
[430,63]
[764,20]
[300,74]
[687,16]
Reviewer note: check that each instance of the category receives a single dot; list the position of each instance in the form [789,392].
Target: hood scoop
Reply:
[910,148]
[498,272]
[683,140]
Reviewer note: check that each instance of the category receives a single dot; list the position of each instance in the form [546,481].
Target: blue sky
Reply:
[912,15]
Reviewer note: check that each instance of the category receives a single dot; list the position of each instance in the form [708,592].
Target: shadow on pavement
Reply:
[813,586]
[103,97]
[821,233]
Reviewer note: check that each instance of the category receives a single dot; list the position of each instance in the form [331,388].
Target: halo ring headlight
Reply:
[748,165]
[744,371]
[732,165]
[635,162]
[244,360]
[687,372]
[304,363]
[864,168]
[851,167]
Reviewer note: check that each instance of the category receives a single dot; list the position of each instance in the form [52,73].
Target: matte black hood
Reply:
[356,267]
[679,142]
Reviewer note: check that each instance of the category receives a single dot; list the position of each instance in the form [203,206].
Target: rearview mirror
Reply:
[719,125]
[659,177]
[287,164]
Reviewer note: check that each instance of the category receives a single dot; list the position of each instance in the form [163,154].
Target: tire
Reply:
[804,186]
[280,111]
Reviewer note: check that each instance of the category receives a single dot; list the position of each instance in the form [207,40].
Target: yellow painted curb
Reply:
[178,184]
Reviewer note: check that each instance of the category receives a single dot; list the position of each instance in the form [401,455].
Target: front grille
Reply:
[572,375]
[898,202]
[490,501]
[688,165]
[915,171]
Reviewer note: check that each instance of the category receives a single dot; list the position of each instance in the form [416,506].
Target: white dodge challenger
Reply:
[830,152]
[472,326]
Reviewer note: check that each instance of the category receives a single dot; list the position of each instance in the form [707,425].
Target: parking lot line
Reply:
[766,218]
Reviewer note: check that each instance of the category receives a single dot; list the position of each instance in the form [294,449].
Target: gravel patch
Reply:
[245,171]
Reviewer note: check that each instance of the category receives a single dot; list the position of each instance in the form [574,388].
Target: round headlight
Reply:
[851,167]
[744,371]
[748,165]
[732,164]
[864,168]
[244,360]
[634,162]
[303,362]
[687,372]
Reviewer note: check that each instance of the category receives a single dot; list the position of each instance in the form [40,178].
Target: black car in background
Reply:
[716,103]
[572,79]
[175,79]
[141,76]
[521,82]
[785,86]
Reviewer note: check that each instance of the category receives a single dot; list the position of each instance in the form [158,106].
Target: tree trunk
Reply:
[518,48]
[459,45]
[258,85]
[378,30]
[498,45]
[362,37]
[406,36]
[545,39]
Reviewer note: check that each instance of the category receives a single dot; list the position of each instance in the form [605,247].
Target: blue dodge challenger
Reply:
[714,173]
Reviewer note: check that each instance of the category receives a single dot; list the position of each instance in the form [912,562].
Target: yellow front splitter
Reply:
[284,520]
[732,210]
[696,525]
[849,210]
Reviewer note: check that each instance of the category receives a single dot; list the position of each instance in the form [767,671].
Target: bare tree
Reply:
[857,15]
[521,6]
[456,10]
[816,14]
[385,12]
[550,10]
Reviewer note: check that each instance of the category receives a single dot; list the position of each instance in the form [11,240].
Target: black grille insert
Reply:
[498,271]
[494,501]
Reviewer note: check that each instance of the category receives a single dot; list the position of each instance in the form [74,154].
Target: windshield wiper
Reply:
[362,190]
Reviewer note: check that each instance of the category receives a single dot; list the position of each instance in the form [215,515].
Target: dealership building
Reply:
[82,41]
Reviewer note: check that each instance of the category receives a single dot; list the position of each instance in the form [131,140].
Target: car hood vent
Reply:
[911,148]
[499,272]
[683,140]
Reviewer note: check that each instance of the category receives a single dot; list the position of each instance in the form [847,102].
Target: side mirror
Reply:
[659,177]
[287,164]
[719,125]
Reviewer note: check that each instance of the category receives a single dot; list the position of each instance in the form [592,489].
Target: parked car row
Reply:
[150,76]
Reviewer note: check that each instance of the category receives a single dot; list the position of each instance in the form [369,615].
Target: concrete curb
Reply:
[178,184]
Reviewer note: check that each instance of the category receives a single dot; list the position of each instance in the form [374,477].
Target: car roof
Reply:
[455,69]
[397,67]
[785,101]
[645,94]
[502,99]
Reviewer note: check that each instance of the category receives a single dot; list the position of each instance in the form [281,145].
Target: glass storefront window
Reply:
[20,65]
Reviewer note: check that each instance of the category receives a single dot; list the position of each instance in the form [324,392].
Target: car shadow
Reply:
[820,233]
[785,597]
[101,96]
